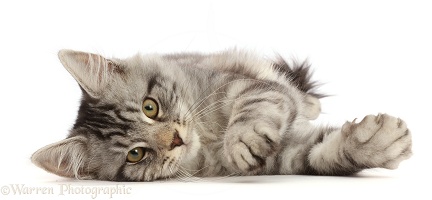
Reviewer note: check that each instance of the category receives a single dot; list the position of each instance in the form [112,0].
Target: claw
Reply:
[346,128]
[399,122]
[379,118]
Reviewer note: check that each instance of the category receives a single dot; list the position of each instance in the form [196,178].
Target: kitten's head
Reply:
[132,124]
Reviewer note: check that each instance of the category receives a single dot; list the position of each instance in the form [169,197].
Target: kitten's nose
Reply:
[177,141]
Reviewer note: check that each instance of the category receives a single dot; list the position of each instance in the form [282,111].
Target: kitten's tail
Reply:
[300,75]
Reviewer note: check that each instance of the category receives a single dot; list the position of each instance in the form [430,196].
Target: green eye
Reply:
[150,108]
[135,155]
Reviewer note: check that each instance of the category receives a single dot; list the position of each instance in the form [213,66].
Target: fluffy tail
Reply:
[299,75]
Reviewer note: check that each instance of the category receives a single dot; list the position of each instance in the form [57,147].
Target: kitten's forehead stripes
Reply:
[173,94]
[152,83]
[137,140]
[133,110]
[120,144]
[121,117]
[114,133]
[103,121]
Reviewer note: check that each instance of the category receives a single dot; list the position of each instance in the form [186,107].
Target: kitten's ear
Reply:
[93,72]
[64,158]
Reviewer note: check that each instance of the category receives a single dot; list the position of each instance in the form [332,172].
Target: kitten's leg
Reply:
[255,128]
[377,141]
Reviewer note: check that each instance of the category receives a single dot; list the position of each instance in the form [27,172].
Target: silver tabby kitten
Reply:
[230,113]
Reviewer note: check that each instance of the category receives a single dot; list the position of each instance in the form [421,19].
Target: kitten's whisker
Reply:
[212,107]
[180,174]
[183,176]
[218,105]
[215,106]
[208,122]
[183,173]
[195,171]
[200,101]
[171,173]
[227,176]
[191,110]
[200,116]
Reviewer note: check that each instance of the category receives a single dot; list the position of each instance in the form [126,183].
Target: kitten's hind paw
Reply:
[377,141]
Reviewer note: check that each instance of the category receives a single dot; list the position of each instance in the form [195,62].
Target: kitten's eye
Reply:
[150,108]
[135,155]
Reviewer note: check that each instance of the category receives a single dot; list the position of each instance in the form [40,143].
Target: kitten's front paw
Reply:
[377,141]
[248,147]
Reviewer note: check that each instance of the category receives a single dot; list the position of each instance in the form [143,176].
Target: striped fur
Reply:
[221,114]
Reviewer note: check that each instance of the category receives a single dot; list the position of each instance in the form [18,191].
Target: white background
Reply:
[372,56]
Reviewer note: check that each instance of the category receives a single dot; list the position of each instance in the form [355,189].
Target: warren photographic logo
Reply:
[65,190]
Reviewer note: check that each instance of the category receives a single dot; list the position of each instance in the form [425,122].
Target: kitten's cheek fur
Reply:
[192,144]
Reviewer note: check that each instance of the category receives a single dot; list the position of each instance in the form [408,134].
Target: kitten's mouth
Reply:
[177,141]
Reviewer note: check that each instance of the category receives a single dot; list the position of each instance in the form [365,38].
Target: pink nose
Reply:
[177,141]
